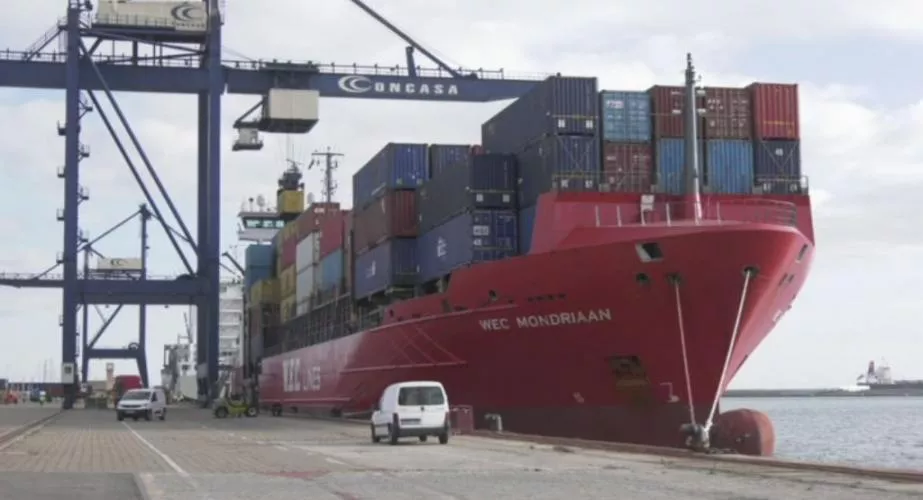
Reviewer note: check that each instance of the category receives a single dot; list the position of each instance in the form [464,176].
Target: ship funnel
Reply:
[871,368]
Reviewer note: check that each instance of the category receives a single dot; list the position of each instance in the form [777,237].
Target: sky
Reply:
[861,109]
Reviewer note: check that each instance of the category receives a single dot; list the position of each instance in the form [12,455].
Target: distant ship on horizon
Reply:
[878,380]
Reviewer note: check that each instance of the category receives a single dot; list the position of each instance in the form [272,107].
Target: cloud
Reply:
[862,157]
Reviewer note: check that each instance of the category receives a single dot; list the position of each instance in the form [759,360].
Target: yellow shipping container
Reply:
[290,202]
[288,308]
[287,282]
[265,292]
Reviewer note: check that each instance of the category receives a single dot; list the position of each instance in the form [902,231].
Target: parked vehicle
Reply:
[408,409]
[142,403]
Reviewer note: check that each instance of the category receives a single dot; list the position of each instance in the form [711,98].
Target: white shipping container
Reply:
[307,253]
[305,284]
[292,104]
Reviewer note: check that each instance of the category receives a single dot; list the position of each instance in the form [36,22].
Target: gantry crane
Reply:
[184,56]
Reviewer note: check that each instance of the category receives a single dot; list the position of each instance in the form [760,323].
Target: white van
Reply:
[142,403]
[407,409]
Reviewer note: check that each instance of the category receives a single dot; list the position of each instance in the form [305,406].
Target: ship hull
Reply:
[581,339]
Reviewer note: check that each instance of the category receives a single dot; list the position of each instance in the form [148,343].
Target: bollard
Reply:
[495,422]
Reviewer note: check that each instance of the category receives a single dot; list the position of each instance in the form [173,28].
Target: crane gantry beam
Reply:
[187,59]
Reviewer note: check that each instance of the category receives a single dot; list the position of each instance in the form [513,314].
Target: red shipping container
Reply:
[727,113]
[775,111]
[288,253]
[628,168]
[664,100]
[394,215]
[332,230]
[309,220]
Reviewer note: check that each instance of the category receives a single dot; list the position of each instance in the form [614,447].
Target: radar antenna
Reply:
[329,163]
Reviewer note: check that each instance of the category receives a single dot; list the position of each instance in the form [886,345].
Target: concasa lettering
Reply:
[358,84]
[547,320]
[296,380]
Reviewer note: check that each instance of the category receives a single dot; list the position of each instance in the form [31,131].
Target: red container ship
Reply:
[625,321]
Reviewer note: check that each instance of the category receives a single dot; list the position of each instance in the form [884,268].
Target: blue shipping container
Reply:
[470,238]
[563,162]
[777,159]
[390,264]
[260,256]
[396,166]
[253,275]
[729,166]
[331,270]
[671,158]
[558,105]
[526,229]
[484,181]
[626,116]
[443,156]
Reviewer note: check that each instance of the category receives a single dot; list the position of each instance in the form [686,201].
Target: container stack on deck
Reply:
[467,210]
[667,105]
[262,298]
[627,153]
[286,242]
[422,211]
[385,219]
[777,145]
[307,254]
[553,130]
[727,129]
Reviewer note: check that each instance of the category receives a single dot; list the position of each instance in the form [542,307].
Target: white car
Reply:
[412,409]
[142,403]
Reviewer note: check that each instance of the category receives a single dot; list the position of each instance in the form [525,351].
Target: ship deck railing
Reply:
[710,209]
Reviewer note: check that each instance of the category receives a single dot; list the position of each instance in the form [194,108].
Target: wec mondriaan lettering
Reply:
[564,318]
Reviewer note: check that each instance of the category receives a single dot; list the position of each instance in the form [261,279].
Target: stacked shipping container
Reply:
[259,264]
[668,104]
[777,158]
[467,214]
[385,218]
[553,130]
[627,154]
[727,128]
[333,257]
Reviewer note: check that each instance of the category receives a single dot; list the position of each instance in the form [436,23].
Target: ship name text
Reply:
[547,320]
[296,379]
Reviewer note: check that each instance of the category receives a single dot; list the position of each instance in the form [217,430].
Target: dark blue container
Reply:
[485,181]
[626,116]
[526,229]
[396,166]
[558,105]
[777,159]
[470,238]
[443,156]
[388,265]
[331,270]
[253,275]
[671,158]
[260,256]
[729,166]
[562,162]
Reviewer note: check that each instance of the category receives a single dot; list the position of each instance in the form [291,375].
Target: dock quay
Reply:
[87,454]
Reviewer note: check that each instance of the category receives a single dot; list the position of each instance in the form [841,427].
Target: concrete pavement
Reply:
[194,456]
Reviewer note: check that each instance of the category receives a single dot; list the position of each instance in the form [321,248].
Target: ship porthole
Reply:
[492,295]
[642,278]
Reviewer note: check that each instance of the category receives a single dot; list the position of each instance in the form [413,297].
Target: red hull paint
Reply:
[562,380]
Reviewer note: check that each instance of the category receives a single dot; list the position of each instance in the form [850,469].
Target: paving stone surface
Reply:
[88,454]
